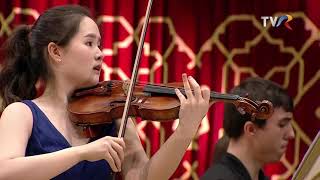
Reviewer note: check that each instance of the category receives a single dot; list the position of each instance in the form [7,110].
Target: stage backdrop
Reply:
[219,43]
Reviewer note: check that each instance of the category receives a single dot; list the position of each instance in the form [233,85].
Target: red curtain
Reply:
[219,43]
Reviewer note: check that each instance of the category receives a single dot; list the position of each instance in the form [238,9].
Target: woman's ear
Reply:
[249,128]
[55,52]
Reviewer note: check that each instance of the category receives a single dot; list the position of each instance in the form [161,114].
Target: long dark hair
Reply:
[25,51]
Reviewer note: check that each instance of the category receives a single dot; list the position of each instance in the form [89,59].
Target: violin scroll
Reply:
[257,109]
[266,109]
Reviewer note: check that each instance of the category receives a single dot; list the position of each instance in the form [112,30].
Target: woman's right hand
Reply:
[109,148]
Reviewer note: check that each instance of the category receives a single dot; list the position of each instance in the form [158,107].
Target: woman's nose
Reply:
[99,56]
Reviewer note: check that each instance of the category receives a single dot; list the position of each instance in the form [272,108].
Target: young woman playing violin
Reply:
[37,138]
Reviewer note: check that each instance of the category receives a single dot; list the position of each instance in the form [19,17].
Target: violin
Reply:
[101,104]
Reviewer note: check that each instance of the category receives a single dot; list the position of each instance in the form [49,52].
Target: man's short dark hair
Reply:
[256,89]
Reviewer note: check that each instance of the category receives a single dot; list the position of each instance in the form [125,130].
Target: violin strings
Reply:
[224,96]
[254,104]
[160,85]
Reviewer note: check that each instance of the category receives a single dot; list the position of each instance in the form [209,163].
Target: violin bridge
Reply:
[125,87]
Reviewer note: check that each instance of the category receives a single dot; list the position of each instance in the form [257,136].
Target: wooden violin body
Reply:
[105,102]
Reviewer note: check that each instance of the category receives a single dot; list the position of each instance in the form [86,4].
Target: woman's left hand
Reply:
[195,105]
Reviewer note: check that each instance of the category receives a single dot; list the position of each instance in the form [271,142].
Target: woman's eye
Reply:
[282,124]
[89,43]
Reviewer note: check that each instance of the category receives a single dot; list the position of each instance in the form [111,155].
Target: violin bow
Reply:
[133,80]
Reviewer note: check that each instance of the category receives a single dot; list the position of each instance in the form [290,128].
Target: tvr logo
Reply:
[276,22]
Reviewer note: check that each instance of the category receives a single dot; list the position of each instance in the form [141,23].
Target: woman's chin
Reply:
[90,83]
[94,82]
